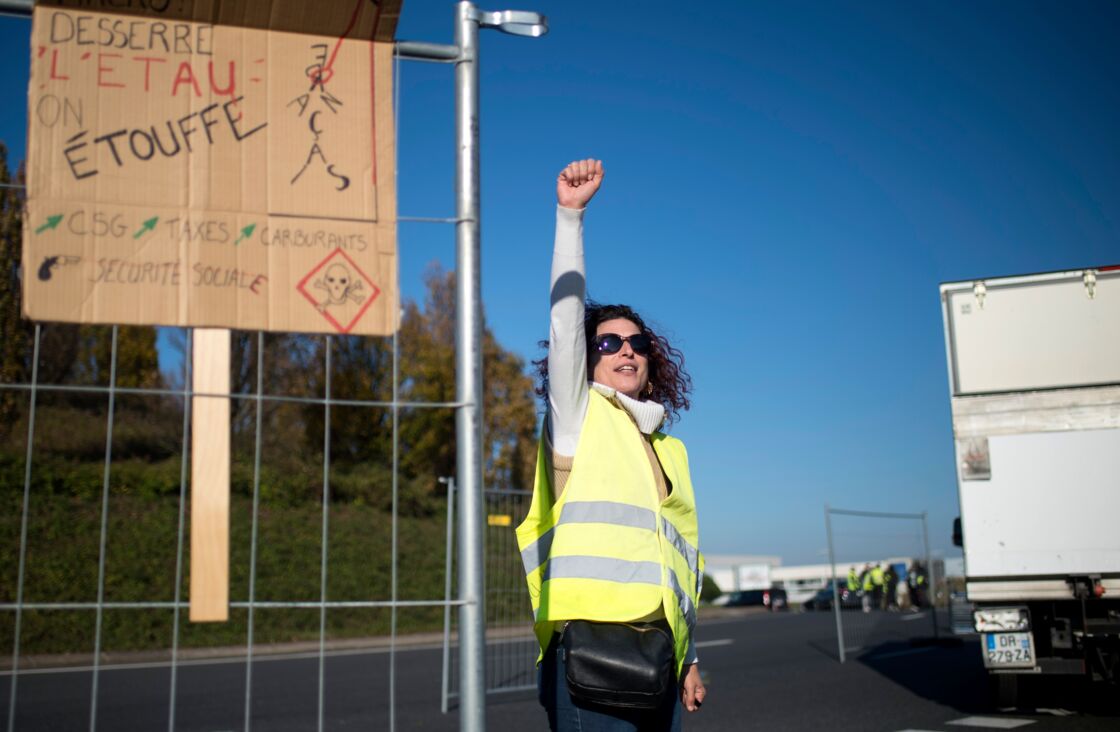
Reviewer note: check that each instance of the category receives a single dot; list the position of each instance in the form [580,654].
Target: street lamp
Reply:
[468,350]
[514,22]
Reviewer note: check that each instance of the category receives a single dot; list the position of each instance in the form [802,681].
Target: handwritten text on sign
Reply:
[186,173]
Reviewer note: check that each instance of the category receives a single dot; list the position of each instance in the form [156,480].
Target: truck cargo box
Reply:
[1034,371]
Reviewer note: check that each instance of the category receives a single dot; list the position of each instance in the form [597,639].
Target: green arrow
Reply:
[52,221]
[245,233]
[148,226]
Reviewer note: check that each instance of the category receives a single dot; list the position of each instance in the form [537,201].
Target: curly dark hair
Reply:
[670,384]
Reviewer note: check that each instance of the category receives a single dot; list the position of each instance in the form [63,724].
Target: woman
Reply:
[611,533]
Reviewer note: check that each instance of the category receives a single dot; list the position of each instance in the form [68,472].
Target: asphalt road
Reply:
[764,671]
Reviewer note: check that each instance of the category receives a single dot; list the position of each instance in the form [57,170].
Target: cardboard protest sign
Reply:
[204,163]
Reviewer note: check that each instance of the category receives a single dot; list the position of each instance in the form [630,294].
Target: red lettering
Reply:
[259,280]
[148,61]
[185,75]
[54,67]
[102,70]
[214,84]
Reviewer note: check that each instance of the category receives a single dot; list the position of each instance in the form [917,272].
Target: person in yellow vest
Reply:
[877,585]
[853,580]
[611,535]
[866,586]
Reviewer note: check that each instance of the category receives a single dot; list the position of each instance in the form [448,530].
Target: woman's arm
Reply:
[567,349]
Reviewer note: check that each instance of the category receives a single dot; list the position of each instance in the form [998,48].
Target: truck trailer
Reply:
[1034,377]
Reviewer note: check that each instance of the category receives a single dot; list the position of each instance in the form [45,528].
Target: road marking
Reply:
[713,643]
[1055,712]
[992,722]
[917,616]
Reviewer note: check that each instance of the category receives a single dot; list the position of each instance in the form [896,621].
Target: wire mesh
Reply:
[883,577]
[103,604]
[511,647]
[117,603]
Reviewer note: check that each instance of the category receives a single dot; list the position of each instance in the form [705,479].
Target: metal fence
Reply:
[882,580]
[511,647]
[253,607]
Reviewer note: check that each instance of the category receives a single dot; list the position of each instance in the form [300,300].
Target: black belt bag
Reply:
[618,664]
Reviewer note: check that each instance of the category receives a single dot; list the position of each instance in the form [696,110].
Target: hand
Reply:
[692,688]
[578,182]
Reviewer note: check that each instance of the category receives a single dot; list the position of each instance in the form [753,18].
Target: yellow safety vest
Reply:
[609,550]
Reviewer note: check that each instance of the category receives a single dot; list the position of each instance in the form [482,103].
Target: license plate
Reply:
[1008,650]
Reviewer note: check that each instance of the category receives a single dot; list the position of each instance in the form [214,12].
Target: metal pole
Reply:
[468,377]
[446,686]
[929,577]
[835,591]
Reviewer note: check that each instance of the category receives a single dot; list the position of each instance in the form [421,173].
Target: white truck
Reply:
[1034,375]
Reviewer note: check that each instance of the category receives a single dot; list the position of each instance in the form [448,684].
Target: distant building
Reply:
[732,572]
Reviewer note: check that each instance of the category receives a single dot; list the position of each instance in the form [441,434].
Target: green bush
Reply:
[709,590]
[62,565]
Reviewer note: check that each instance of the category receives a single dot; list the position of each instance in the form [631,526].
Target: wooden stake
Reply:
[210,428]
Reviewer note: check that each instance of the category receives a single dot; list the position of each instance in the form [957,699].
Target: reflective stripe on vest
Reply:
[618,570]
[686,550]
[618,559]
[683,601]
[614,570]
[602,568]
[590,512]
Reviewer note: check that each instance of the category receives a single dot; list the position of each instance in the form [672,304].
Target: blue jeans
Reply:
[567,715]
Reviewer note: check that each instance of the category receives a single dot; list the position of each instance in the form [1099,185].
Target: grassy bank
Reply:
[64,534]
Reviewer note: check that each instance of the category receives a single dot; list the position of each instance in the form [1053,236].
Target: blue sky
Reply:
[787,183]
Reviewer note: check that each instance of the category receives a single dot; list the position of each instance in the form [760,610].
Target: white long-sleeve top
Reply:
[567,344]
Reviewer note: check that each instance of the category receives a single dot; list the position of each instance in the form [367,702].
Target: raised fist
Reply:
[578,183]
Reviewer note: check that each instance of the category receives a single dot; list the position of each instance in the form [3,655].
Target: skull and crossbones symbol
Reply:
[339,286]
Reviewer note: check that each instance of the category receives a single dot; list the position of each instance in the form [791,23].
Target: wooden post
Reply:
[210,439]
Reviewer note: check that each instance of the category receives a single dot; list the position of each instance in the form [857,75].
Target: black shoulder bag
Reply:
[618,664]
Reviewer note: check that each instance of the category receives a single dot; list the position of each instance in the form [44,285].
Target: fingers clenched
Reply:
[579,172]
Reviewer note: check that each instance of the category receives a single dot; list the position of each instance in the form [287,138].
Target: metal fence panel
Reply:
[888,600]
[101,601]
[511,647]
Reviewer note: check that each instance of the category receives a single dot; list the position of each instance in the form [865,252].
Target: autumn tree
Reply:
[13,330]
[68,353]
[508,411]
[361,436]
[137,356]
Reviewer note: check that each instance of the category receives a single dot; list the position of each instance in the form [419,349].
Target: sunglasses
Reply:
[612,343]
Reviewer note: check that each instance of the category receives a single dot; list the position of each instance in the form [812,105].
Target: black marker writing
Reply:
[132,35]
[318,99]
[168,139]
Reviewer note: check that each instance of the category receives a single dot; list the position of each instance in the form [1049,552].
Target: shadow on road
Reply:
[826,647]
[951,672]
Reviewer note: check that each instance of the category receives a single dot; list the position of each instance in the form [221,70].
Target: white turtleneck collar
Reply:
[647,415]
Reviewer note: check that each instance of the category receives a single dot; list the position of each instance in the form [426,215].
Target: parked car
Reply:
[772,599]
[823,600]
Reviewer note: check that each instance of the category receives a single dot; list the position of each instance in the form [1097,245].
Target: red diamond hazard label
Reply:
[339,289]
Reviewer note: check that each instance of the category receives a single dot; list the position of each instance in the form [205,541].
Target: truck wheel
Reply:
[1005,690]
